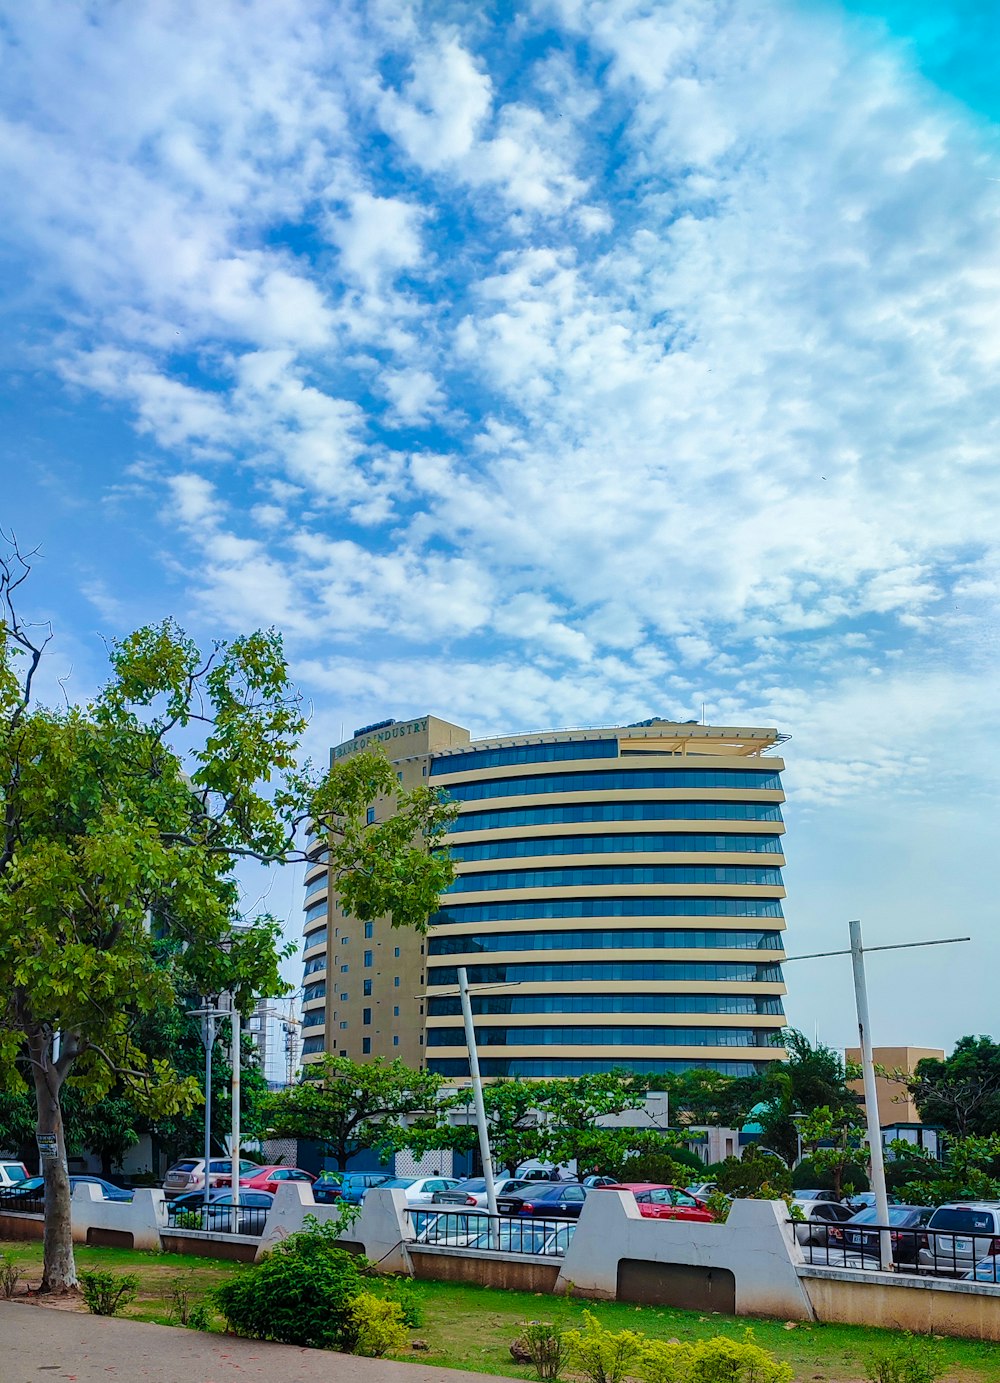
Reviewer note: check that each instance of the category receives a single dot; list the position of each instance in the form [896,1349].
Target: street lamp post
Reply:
[208,1016]
[798,1119]
[477,1094]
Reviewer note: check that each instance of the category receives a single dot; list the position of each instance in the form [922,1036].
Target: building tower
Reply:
[617,900]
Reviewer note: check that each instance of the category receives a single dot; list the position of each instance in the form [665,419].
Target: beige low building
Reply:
[895,1103]
[617,903]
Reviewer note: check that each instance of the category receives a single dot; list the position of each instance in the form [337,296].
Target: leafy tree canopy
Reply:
[960,1094]
[348,1105]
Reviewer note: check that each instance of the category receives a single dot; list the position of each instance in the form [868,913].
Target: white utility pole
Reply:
[234,1016]
[857,954]
[477,1095]
[871,1097]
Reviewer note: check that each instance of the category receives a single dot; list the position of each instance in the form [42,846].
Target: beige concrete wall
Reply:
[903,1302]
[895,1103]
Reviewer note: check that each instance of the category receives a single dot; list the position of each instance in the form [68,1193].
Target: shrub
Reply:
[716,1360]
[401,1290]
[107,1293]
[299,1294]
[9,1278]
[198,1318]
[375,1326]
[720,1205]
[187,1219]
[179,1298]
[756,1175]
[911,1361]
[545,1345]
[603,1356]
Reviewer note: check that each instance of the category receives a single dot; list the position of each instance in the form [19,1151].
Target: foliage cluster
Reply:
[107,1293]
[375,1326]
[607,1356]
[757,1175]
[904,1361]
[545,1345]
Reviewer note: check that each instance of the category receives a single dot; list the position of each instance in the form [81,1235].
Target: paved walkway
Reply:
[39,1343]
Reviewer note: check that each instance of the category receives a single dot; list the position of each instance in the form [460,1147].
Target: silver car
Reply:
[819,1216]
[961,1235]
[473,1191]
[189,1174]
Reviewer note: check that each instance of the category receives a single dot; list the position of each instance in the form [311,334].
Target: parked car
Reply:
[327,1187]
[108,1188]
[354,1185]
[658,1202]
[967,1233]
[419,1190]
[599,1181]
[701,1190]
[189,1174]
[270,1178]
[819,1216]
[11,1173]
[865,1200]
[218,1214]
[817,1196]
[548,1241]
[473,1191]
[557,1199]
[33,1189]
[986,1271]
[906,1221]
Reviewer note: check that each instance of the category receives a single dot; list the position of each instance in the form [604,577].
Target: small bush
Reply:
[756,1176]
[545,1345]
[299,1294]
[198,1318]
[10,1275]
[179,1298]
[603,1356]
[719,1205]
[401,1290]
[187,1219]
[376,1326]
[912,1361]
[716,1360]
[108,1293]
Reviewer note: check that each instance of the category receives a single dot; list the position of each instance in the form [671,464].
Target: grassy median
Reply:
[471,1327]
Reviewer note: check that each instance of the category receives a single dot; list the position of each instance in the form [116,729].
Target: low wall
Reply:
[747,1266]
[520,1273]
[136,1224]
[21,1227]
[903,1301]
[237,1248]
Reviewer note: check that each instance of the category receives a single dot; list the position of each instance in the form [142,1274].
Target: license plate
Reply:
[963,1245]
[854,1238]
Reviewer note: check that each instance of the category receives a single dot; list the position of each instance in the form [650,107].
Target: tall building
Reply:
[617,903]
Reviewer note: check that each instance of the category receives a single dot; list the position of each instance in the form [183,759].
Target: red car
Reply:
[664,1202]
[270,1178]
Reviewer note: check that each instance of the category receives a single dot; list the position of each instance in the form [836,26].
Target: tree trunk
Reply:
[59,1266]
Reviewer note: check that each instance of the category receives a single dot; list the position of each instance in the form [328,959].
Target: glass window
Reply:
[316,886]
[368,931]
[344,997]
[548,752]
[608,875]
[316,938]
[395,1011]
[315,911]
[395,1041]
[368,960]
[690,842]
[367,988]
[344,969]
[537,1068]
[343,1026]
[450,1005]
[558,1036]
[540,908]
[366,1016]
[312,1045]
[370,816]
[315,1018]
[395,982]
[618,780]
[625,938]
[396,952]
[504,818]
[561,972]
[366,1046]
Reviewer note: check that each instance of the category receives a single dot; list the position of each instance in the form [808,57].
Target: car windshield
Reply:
[14,1170]
[398,1183]
[479,1184]
[183,1166]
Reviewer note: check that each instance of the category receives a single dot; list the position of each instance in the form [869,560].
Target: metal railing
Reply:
[219,1219]
[24,1204]
[477,1231]
[932,1252]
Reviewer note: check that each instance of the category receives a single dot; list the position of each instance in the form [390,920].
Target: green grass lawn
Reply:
[471,1327]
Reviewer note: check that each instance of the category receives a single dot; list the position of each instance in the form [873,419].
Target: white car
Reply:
[12,1172]
[419,1190]
[473,1192]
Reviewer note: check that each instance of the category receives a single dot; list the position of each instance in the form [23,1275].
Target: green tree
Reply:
[835,1142]
[349,1106]
[971,1171]
[702,1096]
[812,1078]
[108,829]
[960,1094]
[514,1124]
[757,1175]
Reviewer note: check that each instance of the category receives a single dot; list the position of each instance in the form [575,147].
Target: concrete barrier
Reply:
[904,1301]
[122,1224]
[746,1267]
[380,1231]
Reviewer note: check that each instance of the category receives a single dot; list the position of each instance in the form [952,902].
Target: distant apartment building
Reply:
[898,1115]
[617,904]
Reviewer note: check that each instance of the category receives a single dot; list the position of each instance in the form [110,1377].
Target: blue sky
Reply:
[546,365]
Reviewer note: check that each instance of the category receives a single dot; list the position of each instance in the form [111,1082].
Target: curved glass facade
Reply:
[626,938]
[563,813]
[608,972]
[604,1037]
[616,780]
[450,1006]
[539,1068]
[606,907]
[550,752]
[608,875]
[690,842]
[630,876]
